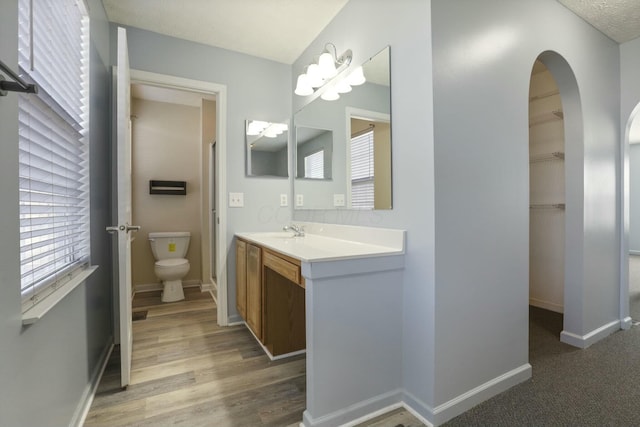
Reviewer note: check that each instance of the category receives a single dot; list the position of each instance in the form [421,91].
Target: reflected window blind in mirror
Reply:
[314,165]
[362,194]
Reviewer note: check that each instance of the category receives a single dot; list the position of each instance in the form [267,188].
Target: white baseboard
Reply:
[212,289]
[357,413]
[584,341]
[460,404]
[632,252]
[89,393]
[547,305]
[626,323]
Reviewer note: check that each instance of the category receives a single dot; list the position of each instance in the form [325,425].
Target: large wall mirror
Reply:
[343,147]
[267,146]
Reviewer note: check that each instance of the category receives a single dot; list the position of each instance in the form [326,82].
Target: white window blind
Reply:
[314,165]
[362,189]
[53,146]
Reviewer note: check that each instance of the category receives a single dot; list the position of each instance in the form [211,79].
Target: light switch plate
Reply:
[338,200]
[283,200]
[236,200]
[299,200]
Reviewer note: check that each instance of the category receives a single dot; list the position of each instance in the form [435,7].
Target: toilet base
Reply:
[172,291]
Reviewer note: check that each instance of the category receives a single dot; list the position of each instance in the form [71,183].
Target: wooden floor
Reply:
[188,371]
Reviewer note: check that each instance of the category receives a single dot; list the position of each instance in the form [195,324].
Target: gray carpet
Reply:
[598,386]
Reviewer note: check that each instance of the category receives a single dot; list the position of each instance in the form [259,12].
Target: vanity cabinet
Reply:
[249,285]
[270,296]
[254,290]
[241,277]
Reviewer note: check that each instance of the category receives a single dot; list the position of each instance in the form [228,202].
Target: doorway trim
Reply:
[625,318]
[220,92]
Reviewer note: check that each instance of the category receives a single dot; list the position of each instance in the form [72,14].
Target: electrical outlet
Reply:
[236,200]
[283,200]
[299,200]
[338,200]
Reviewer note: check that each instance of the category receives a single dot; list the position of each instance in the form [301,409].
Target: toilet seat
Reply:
[172,262]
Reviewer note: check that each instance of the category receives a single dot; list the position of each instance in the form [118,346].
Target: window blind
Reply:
[314,165]
[53,147]
[362,172]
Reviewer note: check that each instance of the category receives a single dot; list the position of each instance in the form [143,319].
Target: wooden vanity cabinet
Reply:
[241,277]
[284,304]
[270,296]
[249,285]
[254,290]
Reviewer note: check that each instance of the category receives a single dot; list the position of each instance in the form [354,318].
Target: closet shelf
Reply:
[556,155]
[552,116]
[560,206]
[544,95]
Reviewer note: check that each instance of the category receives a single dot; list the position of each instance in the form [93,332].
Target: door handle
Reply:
[126,228]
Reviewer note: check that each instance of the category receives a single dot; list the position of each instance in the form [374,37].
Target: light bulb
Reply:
[356,77]
[343,87]
[314,75]
[330,94]
[327,66]
[303,88]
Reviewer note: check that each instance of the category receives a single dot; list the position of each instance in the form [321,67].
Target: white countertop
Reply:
[315,247]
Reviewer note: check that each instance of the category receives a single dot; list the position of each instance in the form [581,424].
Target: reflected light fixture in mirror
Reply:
[323,74]
[267,129]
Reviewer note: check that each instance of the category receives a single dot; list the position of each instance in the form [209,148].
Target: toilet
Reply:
[169,250]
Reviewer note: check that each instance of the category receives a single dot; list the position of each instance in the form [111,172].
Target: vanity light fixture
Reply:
[322,75]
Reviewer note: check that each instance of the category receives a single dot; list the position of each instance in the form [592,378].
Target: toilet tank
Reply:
[169,244]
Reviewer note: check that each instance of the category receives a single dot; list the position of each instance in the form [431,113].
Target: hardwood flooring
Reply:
[188,371]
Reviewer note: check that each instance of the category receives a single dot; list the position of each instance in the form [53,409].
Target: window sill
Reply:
[35,313]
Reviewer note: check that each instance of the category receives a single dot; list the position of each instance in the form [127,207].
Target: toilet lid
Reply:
[172,262]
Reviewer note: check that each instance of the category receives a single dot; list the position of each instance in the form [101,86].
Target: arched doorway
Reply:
[557,198]
[630,283]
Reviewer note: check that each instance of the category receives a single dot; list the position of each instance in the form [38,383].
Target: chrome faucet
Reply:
[298,231]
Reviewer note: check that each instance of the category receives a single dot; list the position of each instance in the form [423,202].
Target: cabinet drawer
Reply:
[281,266]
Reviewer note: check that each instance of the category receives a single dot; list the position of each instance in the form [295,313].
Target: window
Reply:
[314,165]
[362,193]
[53,145]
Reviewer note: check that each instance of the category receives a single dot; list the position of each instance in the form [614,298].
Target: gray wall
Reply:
[257,89]
[45,369]
[476,317]
[630,97]
[483,55]
[405,26]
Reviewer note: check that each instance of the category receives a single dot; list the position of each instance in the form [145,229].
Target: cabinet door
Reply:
[241,278]
[254,290]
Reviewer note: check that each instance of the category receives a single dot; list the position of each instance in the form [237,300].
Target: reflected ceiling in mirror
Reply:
[267,150]
[365,106]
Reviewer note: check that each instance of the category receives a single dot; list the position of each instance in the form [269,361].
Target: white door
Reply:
[124,228]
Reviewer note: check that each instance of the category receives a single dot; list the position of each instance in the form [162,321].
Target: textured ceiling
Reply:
[618,19]
[279,30]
